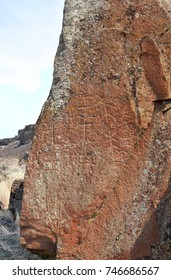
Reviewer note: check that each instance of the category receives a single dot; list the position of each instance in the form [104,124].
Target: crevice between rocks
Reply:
[165,31]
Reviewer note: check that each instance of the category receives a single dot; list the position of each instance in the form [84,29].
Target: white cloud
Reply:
[28,43]
[20,72]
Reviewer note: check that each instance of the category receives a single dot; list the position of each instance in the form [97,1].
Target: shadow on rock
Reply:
[154,241]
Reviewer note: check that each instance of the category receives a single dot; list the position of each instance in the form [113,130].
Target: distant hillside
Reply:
[13,156]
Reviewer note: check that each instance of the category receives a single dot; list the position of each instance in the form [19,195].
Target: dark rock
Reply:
[1,206]
[26,135]
[6,141]
[16,196]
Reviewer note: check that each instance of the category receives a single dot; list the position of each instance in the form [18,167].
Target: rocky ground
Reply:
[10,248]
[13,157]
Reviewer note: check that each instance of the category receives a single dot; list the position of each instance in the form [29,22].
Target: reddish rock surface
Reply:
[98,173]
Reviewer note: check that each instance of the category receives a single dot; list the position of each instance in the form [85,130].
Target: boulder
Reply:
[26,134]
[16,196]
[98,173]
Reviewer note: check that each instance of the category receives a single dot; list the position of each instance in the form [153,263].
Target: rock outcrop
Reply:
[13,157]
[26,134]
[97,182]
[7,141]
[16,196]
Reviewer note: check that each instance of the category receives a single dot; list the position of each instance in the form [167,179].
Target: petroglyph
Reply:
[95,132]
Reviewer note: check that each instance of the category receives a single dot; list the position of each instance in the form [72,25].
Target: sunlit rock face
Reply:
[97,177]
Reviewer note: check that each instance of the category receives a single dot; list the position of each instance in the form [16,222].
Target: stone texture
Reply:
[98,174]
[26,134]
[10,248]
[16,196]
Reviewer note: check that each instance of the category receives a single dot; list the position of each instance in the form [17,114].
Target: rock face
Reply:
[97,182]
[26,135]
[16,195]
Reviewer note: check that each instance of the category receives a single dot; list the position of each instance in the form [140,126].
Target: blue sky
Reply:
[29,32]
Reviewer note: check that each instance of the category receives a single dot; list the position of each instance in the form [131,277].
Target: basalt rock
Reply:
[26,134]
[97,178]
[16,196]
[7,141]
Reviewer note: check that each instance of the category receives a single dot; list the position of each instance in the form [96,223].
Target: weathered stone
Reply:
[100,160]
[16,195]
[7,141]
[26,134]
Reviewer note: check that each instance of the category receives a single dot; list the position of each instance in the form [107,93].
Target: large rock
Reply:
[16,196]
[26,134]
[98,173]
